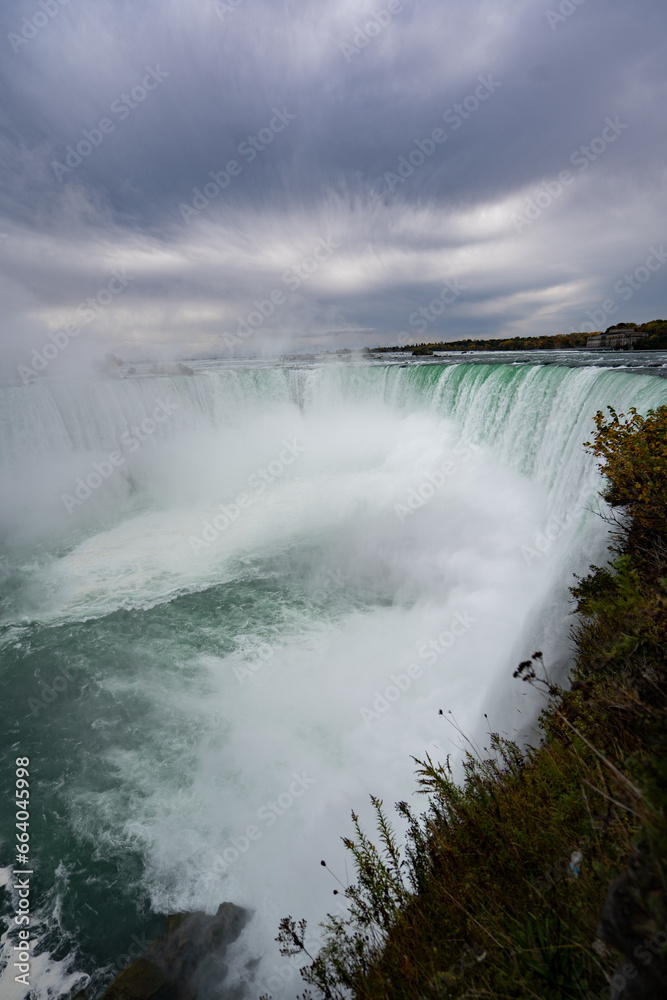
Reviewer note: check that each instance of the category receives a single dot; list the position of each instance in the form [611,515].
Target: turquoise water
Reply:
[229,606]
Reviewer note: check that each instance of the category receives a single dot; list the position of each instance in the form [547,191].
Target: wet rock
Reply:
[142,980]
[186,963]
[628,925]
[172,368]
[110,367]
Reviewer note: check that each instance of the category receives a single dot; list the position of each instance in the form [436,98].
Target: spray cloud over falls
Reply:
[256,587]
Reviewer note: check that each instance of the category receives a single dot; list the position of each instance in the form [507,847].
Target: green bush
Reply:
[498,887]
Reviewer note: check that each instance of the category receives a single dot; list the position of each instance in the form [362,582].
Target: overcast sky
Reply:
[377,158]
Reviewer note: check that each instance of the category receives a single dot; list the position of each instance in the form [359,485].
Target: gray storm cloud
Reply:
[511,149]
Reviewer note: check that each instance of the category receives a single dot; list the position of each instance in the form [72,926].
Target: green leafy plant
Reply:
[634,453]
[497,888]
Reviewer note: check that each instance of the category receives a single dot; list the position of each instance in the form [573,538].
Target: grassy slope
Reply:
[485,899]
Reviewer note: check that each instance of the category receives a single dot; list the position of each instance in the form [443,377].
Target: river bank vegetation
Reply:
[542,875]
[656,339]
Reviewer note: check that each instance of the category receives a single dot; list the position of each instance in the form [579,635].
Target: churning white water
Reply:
[257,587]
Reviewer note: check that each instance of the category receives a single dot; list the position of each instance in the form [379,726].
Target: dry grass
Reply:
[487,897]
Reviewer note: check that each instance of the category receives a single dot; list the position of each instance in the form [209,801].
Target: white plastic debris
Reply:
[575,863]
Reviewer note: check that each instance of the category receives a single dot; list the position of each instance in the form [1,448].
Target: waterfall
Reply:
[234,603]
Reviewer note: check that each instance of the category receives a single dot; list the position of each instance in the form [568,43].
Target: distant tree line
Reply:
[656,335]
[656,339]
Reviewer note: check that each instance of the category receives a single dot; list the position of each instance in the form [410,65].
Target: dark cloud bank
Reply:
[315,171]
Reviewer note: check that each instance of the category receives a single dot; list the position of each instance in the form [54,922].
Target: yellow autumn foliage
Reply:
[633,449]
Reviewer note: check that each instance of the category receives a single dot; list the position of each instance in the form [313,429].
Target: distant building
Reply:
[623,339]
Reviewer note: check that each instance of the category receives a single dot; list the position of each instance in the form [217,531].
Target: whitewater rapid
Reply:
[259,586]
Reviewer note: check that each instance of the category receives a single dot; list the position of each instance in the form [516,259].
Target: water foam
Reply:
[232,701]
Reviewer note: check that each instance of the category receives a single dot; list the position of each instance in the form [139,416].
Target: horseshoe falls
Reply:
[234,604]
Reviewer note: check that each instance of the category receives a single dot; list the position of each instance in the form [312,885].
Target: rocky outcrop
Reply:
[187,963]
[142,981]
[172,368]
[628,923]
